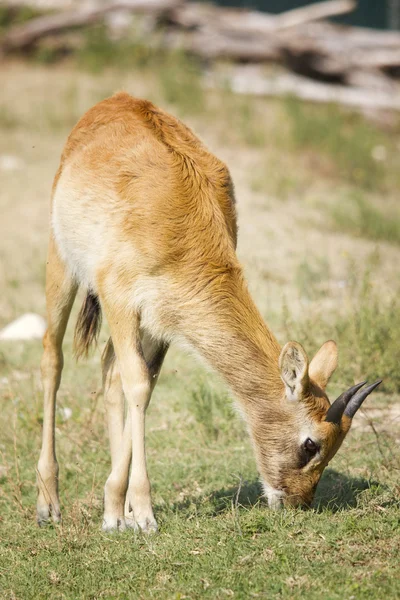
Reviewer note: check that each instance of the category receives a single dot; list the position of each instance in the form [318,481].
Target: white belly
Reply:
[81,234]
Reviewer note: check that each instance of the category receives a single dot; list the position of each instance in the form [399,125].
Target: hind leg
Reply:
[60,295]
[114,400]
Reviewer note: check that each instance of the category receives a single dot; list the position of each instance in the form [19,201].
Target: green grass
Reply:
[359,216]
[366,327]
[8,120]
[213,411]
[178,75]
[248,120]
[369,335]
[345,139]
[181,83]
[238,553]
[99,51]
[16,15]
[49,116]
[311,277]
[217,538]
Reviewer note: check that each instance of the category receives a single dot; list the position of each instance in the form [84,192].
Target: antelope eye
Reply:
[308,450]
[310,447]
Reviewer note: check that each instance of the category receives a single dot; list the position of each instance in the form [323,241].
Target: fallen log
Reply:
[23,36]
[363,59]
[378,58]
[312,12]
[337,36]
[246,81]
[303,54]
[211,45]
[190,15]
[322,50]
[195,15]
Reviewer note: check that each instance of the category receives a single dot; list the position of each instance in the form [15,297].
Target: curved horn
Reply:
[356,401]
[336,410]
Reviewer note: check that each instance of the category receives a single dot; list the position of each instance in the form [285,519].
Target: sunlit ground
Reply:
[317,192]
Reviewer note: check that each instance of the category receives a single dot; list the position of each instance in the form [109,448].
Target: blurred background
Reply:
[303,107]
[301,100]
[378,15]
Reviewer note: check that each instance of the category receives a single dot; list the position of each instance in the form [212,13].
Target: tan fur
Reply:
[144,218]
[324,364]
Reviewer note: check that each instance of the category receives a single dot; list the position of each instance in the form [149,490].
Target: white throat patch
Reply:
[274,496]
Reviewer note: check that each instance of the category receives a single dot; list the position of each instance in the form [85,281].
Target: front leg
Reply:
[137,386]
[138,509]
[133,445]
[137,391]
[130,508]
[139,490]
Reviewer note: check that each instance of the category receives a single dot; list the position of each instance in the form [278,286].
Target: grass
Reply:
[7,119]
[217,537]
[16,15]
[311,275]
[369,333]
[367,330]
[352,146]
[179,76]
[357,215]
[213,411]
[99,51]
[180,80]
[50,116]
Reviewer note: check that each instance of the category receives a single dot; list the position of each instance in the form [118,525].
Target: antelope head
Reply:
[307,430]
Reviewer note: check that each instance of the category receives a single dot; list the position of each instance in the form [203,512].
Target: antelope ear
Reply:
[324,364]
[293,365]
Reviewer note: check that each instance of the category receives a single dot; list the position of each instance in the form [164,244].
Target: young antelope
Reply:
[143,218]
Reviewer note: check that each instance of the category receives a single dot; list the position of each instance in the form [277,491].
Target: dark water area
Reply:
[377,14]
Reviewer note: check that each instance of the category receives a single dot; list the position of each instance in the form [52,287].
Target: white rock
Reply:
[26,327]
[9,162]
[66,413]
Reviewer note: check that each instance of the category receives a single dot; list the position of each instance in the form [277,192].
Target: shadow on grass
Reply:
[247,494]
[336,492]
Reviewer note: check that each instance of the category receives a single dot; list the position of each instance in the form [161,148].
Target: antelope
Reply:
[143,218]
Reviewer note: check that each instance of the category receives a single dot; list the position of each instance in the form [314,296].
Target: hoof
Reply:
[131,523]
[113,524]
[148,526]
[46,513]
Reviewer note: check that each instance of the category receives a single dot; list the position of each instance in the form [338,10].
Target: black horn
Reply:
[336,410]
[356,401]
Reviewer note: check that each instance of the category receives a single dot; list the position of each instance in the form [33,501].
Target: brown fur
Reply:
[144,217]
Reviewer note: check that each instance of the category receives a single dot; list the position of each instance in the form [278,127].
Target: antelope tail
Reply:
[87,326]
